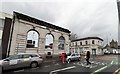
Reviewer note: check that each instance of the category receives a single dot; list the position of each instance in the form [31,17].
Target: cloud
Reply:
[83,17]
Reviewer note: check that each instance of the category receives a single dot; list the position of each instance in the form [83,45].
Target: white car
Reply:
[73,56]
[21,60]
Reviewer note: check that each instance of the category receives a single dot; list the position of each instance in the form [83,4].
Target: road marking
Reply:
[47,66]
[57,64]
[99,69]
[103,63]
[116,72]
[62,69]
[103,68]
[112,62]
[35,68]
[19,70]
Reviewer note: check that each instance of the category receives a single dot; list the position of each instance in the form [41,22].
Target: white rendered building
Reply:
[92,44]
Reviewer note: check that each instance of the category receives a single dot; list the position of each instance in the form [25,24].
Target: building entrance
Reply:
[93,51]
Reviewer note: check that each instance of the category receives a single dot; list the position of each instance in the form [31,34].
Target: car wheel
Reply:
[33,64]
[69,60]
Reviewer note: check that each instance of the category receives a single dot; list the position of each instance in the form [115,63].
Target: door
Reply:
[94,52]
[26,60]
[73,57]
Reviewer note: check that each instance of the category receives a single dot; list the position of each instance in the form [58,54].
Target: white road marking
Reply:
[94,66]
[47,66]
[19,70]
[57,64]
[35,68]
[112,62]
[103,64]
[99,69]
[62,69]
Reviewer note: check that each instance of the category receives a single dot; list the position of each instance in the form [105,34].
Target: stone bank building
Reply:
[31,35]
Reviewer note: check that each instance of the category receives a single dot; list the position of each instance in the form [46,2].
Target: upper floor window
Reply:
[73,44]
[49,41]
[61,43]
[93,42]
[76,43]
[80,43]
[32,39]
[86,42]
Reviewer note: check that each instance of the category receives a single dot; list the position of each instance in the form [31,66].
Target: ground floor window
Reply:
[61,43]
[32,39]
[49,41]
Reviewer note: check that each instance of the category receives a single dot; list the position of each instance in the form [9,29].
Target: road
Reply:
[100,65]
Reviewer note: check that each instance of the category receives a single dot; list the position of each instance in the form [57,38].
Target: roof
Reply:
[86,38]
[39,22]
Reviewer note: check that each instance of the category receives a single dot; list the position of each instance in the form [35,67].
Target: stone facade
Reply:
[22,24]
[92,44]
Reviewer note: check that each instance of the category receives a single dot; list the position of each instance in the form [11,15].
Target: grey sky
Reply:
[83,17]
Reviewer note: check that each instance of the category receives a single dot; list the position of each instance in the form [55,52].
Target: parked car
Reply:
[21,60]
[73,56]
[107,52]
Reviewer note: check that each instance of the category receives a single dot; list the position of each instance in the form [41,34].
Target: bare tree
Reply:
[73,36]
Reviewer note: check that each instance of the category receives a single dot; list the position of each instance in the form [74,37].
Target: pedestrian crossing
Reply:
[92,65]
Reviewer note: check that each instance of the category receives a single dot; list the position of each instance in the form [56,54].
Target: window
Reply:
[15,57]
[61,43]
[26,56]
[73,54]
[32,39]
[34,55]
[76,43]
[49,41]
[70,44]
[93,42]
[80,43]
[86,42]
[73,44]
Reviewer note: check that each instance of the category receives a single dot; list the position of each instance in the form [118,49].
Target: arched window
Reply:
[32,39]
[61,43]
[49,41]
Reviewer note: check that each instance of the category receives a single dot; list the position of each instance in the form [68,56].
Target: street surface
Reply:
[100,65]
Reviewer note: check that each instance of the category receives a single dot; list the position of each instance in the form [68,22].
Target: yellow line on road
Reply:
[116,72]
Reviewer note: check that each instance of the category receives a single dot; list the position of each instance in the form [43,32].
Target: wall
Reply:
[88,47]
[21,27]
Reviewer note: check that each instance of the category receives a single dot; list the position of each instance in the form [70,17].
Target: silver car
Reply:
[73,56]
[21,60]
